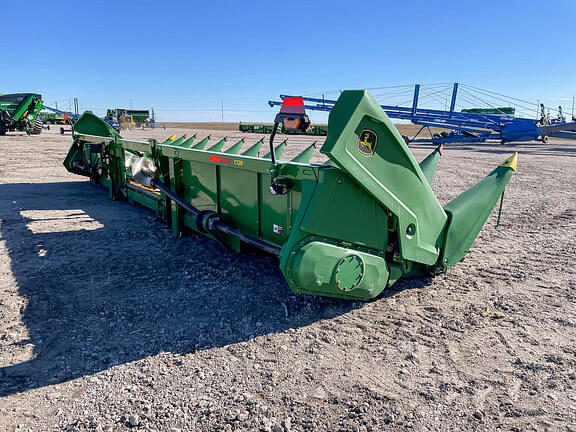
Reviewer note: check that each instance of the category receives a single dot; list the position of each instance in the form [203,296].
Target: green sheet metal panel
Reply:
[275,212]
[340,209]
[238,199]
[199,184]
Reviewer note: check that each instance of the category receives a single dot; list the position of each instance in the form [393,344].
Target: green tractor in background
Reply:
[20,112]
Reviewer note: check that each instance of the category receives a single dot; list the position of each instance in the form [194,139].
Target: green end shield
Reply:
[363,142]
[91,124]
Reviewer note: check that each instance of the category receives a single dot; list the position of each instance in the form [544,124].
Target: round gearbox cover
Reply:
[349,272]
[320,268]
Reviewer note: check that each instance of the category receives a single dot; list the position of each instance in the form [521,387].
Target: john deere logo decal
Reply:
[367,142]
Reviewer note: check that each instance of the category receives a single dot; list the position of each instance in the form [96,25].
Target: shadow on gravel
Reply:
[106,283]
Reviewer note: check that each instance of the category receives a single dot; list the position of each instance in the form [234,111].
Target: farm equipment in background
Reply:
[319,130]
[347,228]
[52,118]
[20,112]
[468,125]
[129,118]
[70,119]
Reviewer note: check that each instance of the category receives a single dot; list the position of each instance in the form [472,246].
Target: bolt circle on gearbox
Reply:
[349,272]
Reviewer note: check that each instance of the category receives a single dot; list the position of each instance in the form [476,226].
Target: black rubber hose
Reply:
[217,225]
[272,135]
[214,223]
[175,197]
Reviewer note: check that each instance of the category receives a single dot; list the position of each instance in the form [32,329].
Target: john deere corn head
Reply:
[348,228]
[20,112]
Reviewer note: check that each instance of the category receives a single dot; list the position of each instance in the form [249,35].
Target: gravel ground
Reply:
[108,323]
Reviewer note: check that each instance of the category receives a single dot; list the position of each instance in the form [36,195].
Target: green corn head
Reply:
[347,228]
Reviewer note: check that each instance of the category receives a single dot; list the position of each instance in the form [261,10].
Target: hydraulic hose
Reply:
[215,224]
[272,135]
[275,187]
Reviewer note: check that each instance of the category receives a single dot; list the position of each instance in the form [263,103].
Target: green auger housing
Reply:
[347,228]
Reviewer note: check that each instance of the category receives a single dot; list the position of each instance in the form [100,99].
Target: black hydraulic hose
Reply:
[175,197]
[272,135]
[275,188]
[214,223]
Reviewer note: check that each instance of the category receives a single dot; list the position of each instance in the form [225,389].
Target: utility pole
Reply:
[222,108]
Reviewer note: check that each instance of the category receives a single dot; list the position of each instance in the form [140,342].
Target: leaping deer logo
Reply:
[367,142]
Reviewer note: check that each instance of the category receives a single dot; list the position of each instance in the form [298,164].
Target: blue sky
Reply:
[185,58]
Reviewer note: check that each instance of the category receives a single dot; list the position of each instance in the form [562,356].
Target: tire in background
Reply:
[37,126]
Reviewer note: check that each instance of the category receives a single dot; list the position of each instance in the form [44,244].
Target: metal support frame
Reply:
[466,127]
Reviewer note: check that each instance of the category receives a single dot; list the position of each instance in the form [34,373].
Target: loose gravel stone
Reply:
[134,420]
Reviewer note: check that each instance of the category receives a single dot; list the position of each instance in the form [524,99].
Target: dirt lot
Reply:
[108,323]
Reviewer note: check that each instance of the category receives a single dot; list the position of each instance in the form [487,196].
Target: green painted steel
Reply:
[188,143]
[91,124]
[278,150]
[201,144]
[219,145]
[306,155]
[21,112]
[430,164]
[334,271]
[254,150]
[421,218]
[347,228]
[179,141]
[235,149]
[499,110]
[469,211]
